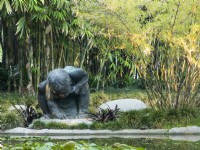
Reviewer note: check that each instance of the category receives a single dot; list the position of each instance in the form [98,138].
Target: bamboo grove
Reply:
[114,41]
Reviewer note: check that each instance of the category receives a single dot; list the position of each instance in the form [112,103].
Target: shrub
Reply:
[10,120]
[170,68]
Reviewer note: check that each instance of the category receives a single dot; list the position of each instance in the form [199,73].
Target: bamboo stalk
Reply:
[52,49]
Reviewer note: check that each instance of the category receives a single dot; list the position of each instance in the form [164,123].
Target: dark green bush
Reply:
[57,125]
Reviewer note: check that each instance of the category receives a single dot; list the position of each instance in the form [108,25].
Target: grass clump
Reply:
[57,125]
[96,99]
[51,125]
[10,120]
[38,125]
[79,126]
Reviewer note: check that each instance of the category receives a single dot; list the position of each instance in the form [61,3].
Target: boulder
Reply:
[124,104]
[19,107]
[185,130]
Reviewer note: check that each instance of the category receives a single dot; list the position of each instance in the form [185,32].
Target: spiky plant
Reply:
[105,115]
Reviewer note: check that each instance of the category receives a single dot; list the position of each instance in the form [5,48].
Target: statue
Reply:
[65,93]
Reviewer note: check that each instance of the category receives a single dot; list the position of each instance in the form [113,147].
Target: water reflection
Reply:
[150,142]
[191,142]
[192,138]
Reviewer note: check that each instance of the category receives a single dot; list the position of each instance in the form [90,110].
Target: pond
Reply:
[150,143]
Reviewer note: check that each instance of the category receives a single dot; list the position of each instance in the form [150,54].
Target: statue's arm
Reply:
[78,76]
[55,111]
[41,87]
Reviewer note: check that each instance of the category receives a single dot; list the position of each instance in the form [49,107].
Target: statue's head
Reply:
[59,83]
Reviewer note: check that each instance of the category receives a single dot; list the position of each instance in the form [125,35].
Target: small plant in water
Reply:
[105,115]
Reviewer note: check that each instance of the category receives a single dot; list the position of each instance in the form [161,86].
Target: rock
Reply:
[19,107]
[185,130]
[125,104]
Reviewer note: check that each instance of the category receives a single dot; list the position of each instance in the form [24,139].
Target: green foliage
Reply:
[159,37]
[106,38]
[144,119]
[37,124]
[10,120]
[152,119]
[170,85]
[17,116]
[105,115]
[96,99]
[165,118]
[79,126]
[16,98]
[111,125]
[56,125]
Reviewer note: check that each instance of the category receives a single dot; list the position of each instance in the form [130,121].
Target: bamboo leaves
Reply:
[110,39]
[7,5]
[20,26]
[60,4]
[42,1]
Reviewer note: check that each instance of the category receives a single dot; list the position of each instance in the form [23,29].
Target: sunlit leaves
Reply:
[65,28]
[61,3]
[42,1]
[60,15]
[190,44]
[7,5]
[21,26]
[19,5]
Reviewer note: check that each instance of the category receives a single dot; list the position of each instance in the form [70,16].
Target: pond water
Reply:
[148,143]
[152,144]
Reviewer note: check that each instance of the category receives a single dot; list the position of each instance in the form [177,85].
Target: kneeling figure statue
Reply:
[65,93]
